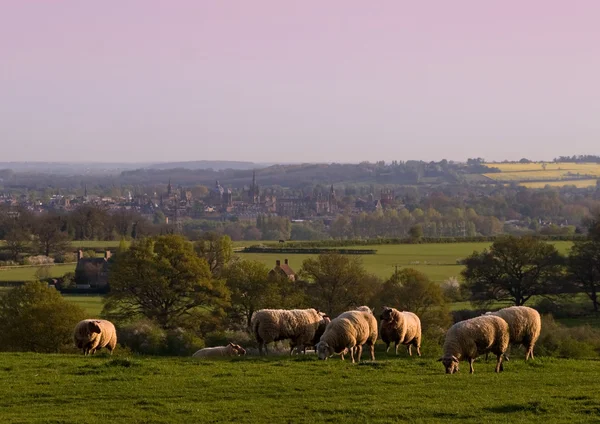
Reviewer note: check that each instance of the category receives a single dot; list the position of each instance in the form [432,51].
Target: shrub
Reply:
[147,338]
[567,342]
[452,290]
[38,260]
[65,257]
[34,317]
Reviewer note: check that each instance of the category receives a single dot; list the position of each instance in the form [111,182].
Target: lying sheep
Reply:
[473,337]
[298,325]
[524,324]
[231,349]
[93,334]
[400,328]
[348,333]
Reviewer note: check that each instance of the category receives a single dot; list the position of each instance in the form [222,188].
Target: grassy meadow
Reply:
[538,174]
[40,388]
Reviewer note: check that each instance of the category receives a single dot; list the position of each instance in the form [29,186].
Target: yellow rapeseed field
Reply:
[538,174]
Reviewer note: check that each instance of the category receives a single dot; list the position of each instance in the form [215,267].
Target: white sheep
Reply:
[93,334]
[320,330]
[468,339]
[348,333]
[231,349]
[298,325]
[400,328]
[524,324]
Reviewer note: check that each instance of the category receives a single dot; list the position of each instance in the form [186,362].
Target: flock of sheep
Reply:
[350,331]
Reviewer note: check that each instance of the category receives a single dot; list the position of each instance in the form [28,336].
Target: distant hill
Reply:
[216,165]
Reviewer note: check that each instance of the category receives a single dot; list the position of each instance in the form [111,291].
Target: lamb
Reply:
[93,334]
[524,325]
[400,328]
[298,325]
[473,337]
[231,349]
[347,333]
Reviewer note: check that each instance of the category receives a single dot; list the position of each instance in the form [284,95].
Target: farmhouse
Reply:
[92,272]
[283,270]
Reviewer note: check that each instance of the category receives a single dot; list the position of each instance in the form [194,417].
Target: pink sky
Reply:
[146,80]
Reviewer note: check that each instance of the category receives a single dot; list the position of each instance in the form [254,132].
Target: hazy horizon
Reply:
[270,81]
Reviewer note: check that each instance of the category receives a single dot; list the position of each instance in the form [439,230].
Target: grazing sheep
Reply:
[347,333]
[400,328]
[473,337]
[320,330]
[93,334]
[298,325]
[231,349]
[366,309]
[524,324]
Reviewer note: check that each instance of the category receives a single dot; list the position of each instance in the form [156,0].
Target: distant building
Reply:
[92,272]
[284,270]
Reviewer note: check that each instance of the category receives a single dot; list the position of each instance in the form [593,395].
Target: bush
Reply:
[567,342]
[66,257]
[452,290]
[147,338]
[34,317]
[38,260]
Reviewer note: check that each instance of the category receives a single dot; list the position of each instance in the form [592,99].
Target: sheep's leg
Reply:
[409,350]
[372,352]
[352,354]
[387,347]
[397,346]
[359,349]
[471,369]
[499,365]
[418,349]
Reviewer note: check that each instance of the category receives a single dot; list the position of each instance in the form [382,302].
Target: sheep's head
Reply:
[240,350]
[386,315]
[324,351]
[366,309]
[450,363]
[94,327]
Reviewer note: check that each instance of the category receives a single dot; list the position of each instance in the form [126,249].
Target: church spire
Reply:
[169,188]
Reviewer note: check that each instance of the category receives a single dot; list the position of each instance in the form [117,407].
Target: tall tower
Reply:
[169,188]
[332,200]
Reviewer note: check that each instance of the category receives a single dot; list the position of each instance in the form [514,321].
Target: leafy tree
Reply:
[216,249]
[17,240]
[416,232]
[583,264]
[338,282]
[513,269]
[50,237]
[34,317]
[411,290]
[162,279]
[251,288]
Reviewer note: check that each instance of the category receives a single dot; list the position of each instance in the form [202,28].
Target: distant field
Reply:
[538,174]
[437,260]
[28,273]
[576,183]
[98,244]
[92,304]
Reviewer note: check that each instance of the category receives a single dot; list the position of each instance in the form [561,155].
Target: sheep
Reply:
[298,325]
[320,330]
[470,338]
[231,349]
[400,328]
[93,334]
[347,333]
[525,325]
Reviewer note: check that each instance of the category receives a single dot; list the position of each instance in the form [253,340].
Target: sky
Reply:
[298,81]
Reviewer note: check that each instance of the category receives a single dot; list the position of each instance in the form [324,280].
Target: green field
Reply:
[74,389]
[92,304]
[437,260]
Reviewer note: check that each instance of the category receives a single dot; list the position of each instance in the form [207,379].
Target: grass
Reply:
[70,388]
[92,304]
[96,244]
[27,273]
[437,260]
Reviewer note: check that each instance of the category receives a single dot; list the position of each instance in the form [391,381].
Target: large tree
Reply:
[337,282]
[411,290]
[583,264]
[162,279]
[513,269]
[51,237]
[17,239]
[216,249]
